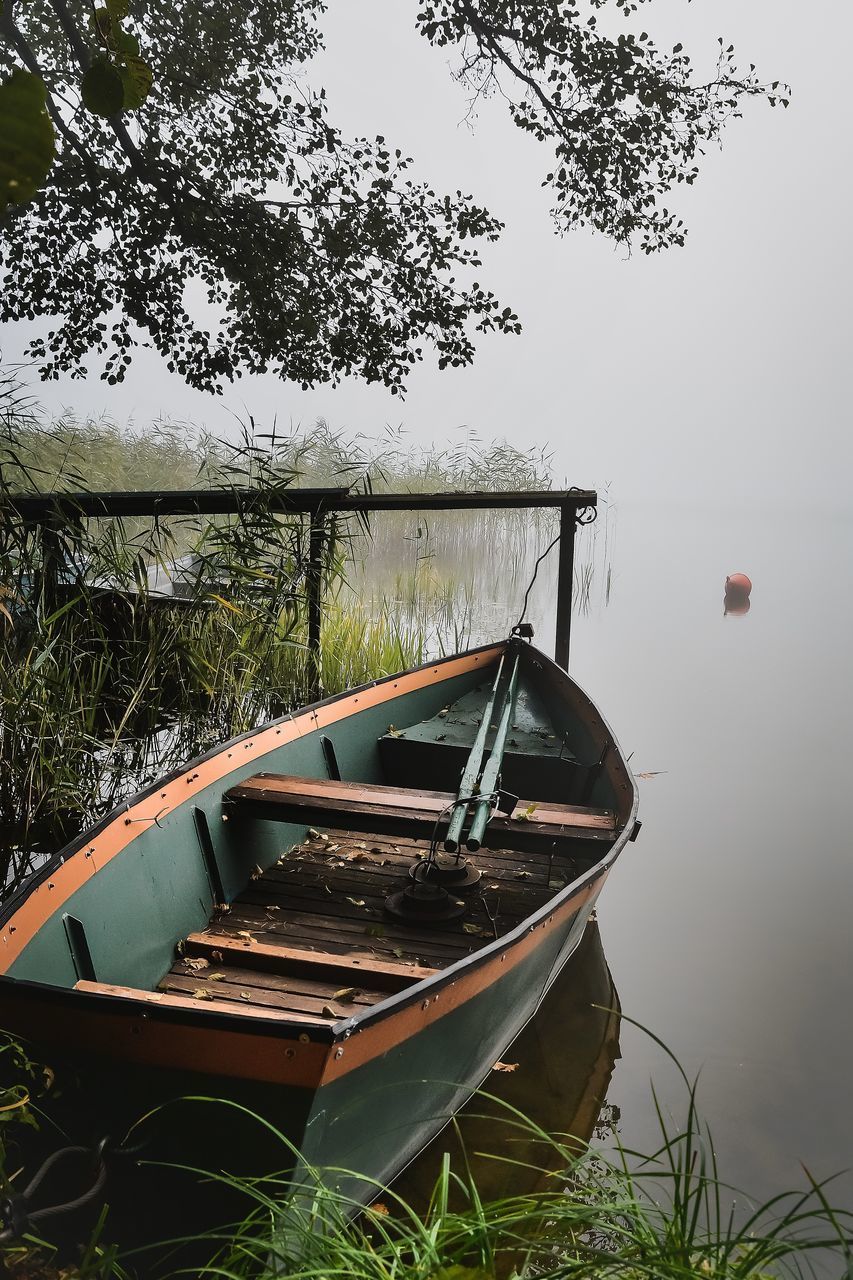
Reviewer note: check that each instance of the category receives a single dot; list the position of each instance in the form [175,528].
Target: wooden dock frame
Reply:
[575,506]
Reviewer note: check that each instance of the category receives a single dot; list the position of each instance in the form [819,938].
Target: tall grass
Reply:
[592,1212]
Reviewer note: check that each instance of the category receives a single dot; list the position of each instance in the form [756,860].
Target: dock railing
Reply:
[576,506]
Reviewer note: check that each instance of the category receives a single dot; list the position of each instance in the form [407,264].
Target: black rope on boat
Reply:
[518,626]
[16,1215]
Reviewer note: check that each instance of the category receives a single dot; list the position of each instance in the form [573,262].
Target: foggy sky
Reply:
[715,370]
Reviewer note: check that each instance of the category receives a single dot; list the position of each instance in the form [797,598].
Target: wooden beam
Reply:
[38,507]
[565,579]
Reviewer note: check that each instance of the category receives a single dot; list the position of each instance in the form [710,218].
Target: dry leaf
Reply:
[473,928]
[202,994]
[257,873]
[195,963]
[346,993]
[222,908]
[313,833]
[180,946]
[217,956]
[505,1066]
[216,977]
[244,995]
[378,1207]
[356,902]
[398,951]
[356,856]
[329,1012]
[523,875]
[273,908]
[244,933]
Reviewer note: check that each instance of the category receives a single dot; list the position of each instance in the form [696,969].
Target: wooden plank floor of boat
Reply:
[309,936]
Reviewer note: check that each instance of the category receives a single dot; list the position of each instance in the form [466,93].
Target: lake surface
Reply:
[728,926]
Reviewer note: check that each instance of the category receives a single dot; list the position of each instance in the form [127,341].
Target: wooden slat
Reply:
[188,1002]
[315,796]
[244,994]
[313,987]
[244,951]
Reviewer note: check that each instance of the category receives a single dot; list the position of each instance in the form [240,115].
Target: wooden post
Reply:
[314,585]
[565,576]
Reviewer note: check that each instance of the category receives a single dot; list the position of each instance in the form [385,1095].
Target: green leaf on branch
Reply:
[117,9]
[127,45]
[136,78]
[103,89]
[27,142]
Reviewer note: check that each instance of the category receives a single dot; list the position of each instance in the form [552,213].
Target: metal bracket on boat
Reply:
[524,630]
[423,902]
[454,873]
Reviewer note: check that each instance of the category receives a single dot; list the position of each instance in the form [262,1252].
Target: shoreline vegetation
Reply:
[591,1211]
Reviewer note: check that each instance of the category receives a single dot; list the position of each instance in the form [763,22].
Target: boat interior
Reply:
[313,867]
[312,936]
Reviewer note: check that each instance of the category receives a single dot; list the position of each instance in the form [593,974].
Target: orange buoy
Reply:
[738,584]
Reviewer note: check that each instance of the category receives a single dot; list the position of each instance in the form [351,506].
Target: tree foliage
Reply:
[203,202]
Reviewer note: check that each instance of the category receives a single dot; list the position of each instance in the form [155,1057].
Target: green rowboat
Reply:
[280,921]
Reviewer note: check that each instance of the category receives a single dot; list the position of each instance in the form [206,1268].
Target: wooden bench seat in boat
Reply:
[374,807]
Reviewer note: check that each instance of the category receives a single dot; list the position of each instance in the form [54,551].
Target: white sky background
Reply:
[715,370]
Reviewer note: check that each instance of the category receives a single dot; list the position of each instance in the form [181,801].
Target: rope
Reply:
[15,1213]
[549,548]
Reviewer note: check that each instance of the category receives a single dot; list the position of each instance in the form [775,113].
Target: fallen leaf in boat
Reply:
[244,933]
[202,994]
[398,951]
[356,856]
[216,977]
[323,836]
[444,711]
[493,886]
[273,908]
[360,844]
[394,733]
[329,1012]
[523,875]
[256,874]
[180,946]
[346,993]
[651,773]
[194,963]
[313,833]
[244,995]
[217,956]
[222,908]
[505,1066]
[473,928]
[356,902]
[333,848]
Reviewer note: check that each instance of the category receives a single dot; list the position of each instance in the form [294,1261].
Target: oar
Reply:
[471,772]
[489,780]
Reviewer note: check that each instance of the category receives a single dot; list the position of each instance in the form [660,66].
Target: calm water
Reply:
[728,926]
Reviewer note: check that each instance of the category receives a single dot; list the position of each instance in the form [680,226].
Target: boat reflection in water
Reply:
[563,1061]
